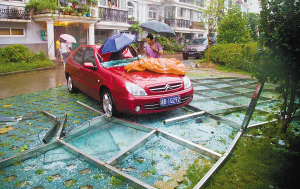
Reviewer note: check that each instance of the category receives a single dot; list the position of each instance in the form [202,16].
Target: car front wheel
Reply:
[108,104]
[185,57]
[71,87]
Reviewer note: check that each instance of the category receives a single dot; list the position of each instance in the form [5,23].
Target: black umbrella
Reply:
[154,26]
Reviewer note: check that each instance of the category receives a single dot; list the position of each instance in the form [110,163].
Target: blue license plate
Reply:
[191,53]
[170,100]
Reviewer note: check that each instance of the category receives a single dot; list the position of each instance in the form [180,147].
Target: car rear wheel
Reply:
[185,57]
[71,87]
[108,104]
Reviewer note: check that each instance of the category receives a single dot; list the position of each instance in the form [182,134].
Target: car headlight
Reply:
[135,89]
[187,82]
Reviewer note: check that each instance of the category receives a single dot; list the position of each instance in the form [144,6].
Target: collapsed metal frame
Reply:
[62,138]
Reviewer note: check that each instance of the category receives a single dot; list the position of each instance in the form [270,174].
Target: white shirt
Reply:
[63,47]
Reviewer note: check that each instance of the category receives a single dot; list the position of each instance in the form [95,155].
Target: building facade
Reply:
[40,30]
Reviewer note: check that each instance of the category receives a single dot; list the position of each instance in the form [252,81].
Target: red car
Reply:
[133,93]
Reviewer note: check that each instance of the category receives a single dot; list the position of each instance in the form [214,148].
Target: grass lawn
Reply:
[28,66]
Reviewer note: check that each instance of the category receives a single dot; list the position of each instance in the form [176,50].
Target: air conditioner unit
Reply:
[94,12]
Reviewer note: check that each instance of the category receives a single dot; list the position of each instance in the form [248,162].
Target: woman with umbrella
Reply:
[153,49]
[64,50]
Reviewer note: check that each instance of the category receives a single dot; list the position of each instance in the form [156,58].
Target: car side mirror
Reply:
[88,65]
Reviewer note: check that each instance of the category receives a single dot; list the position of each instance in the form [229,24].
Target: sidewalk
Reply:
[12,85]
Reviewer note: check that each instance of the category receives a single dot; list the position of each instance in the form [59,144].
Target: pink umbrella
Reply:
[68,38]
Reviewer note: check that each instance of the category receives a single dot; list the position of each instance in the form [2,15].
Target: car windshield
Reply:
[123,62]
[198,42]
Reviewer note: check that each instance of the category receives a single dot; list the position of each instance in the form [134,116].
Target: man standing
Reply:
[153,49]
[58,50]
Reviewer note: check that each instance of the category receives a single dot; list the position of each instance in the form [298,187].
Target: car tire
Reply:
[108,104]
[185,57]
[70,85]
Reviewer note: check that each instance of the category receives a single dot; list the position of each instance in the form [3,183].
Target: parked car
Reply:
[197,47]
[118,91]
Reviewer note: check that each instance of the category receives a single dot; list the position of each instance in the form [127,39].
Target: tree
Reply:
[253,24]
[233,27]
[280,61]
[135,27]
[211,15]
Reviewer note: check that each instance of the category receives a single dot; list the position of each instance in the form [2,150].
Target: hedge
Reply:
[169,44]
[18,57]
[235,56]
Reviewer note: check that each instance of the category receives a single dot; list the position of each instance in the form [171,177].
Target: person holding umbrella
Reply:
[153,49]
[117,55]
[64,50]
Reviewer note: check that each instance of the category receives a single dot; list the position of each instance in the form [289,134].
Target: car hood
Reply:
[145,78]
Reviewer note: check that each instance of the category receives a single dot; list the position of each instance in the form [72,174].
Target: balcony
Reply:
[14,14]
[177,23]
[113,15]
[197,26]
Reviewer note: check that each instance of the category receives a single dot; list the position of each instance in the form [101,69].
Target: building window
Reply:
[183,13]
[152,13]
[15,32]
[130,8]
[103,33]
[170,12]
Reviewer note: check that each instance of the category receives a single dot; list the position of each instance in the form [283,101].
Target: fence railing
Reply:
[178,23]
[113,15]
[14,14]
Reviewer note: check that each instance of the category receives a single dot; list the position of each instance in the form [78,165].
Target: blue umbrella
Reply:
[154,26]
[117,42]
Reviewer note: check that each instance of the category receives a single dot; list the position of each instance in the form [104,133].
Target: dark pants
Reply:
[65,56]
[57,54]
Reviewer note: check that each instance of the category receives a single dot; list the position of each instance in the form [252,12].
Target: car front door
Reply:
[91,78]
[75,72]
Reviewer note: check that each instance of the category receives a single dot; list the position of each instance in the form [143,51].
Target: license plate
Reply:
[191,53]
[170,100]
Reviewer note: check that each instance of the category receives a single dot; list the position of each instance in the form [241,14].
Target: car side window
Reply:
[90,56]
[79,55]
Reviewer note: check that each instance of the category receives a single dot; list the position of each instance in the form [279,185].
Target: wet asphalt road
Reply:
[16,84]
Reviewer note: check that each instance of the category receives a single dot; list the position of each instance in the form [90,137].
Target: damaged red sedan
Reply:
[119,91]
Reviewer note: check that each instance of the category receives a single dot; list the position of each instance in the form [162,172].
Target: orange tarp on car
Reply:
[158,65]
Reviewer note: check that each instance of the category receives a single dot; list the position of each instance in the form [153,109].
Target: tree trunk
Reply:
[208,48]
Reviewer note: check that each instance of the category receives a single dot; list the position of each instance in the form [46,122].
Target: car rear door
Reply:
[90,77]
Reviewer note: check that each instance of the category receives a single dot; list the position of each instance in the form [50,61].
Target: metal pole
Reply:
[251,108]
